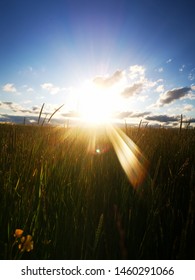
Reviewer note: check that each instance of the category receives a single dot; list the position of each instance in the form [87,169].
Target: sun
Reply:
[96,105]
[95,108]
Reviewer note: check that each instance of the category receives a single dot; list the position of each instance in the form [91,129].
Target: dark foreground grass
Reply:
[78,204]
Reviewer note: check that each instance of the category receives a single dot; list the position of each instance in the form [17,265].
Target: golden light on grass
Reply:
[130,157]
[132,160]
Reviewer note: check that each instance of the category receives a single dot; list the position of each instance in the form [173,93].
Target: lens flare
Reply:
[130,157]
[95,145]
[98,141]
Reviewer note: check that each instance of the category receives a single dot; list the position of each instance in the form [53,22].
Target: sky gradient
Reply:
[133,60]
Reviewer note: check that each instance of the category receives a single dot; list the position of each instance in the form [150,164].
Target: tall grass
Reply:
[79,204]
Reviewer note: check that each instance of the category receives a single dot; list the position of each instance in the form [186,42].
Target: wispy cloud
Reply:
[142,98]
[7,103]
[172,95]
[191,75]
[188,108]
[71,114]
[138,82]
[30,71]
[50,88]
[109,81]
[160,88]
[160,70]
[9,88]
[130,114]
[136,71]
[169,60]
[123,115]
[162,118]
[34,110]
[132,90]
[11,106]
[182,68]
[30,89]
[140,114]
[14,107]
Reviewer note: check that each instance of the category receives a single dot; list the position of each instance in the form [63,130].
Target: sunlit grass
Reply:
[71,192]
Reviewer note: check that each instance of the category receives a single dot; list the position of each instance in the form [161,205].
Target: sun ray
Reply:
[130,157]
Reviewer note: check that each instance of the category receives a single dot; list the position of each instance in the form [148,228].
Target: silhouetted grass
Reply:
[78,204]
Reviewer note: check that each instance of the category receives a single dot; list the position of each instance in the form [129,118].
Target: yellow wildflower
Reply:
[18,233]
[26,244]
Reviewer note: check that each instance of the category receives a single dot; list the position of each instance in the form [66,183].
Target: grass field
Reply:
[74,201]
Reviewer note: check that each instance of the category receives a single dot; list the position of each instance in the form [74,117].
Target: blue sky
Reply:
[128,59]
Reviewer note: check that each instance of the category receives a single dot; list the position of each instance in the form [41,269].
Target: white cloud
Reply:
[162,118]
[147,84]
[30,89]
[182,68]
[109,81]
[160,70]
[50,88]
[132,90]
[169,60]
[191,76]
[136,71]
[27,101]
[137,74]
[188,108]
[9,88]
[160,88]
[142,98]
[173,94]
[15,107]
[30,69]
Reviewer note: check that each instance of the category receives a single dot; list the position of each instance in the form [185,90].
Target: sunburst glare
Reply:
[131,158]
[96,105]
[133,162]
